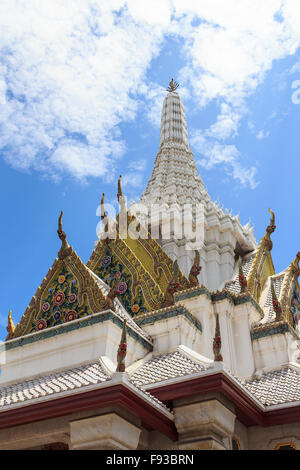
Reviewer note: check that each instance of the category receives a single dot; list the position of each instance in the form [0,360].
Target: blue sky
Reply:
[81,90]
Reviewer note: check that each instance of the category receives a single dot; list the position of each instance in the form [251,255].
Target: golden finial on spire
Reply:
[10,324]
[65,249]
[172,86]
[122,350]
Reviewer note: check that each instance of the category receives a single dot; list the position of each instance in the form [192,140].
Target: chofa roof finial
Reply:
[65,249]
[172,86]
[270,229]
[120,193]
[104,216]
[10,325]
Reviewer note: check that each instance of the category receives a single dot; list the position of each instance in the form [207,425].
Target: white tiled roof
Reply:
[234,285]
[165,366]
[276,387]
[52,384]
[273,388]
[46,387]
[270,313]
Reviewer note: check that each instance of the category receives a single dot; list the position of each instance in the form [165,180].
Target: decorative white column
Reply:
[224,308]
[204,425]
[104,432]
[242,317]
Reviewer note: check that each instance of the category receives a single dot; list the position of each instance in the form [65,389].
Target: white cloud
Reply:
[133,179]
[235,43]
[215,153]
[138,165]
[67,73]
[226,125]
[262,134]
[228,55]
[72,70]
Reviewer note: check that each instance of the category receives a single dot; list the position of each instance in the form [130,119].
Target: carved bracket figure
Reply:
[217,343]
[171,289]
[122,350]
[276,303]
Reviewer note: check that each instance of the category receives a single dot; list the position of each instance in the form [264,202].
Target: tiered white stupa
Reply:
[175,182]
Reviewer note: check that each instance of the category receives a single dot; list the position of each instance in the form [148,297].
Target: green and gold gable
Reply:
[144,269]
[68,292]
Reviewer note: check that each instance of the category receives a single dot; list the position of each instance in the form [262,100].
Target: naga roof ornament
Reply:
[171,288]
[289,282]
[270,229]
[10,325]
[265,246]
[195,271]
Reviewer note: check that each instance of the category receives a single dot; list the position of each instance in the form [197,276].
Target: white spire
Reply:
[175,182]
[174,178]
[173,121]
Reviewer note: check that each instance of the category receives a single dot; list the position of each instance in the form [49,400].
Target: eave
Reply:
[117,395]
[248,410]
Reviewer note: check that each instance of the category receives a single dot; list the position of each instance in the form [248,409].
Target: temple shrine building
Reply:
[152,344]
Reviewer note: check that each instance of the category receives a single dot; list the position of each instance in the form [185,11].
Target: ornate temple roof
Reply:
[120,310]
[164,367]
[144,268]
[52,384]
[234,285]
[276,387]
[75,380]
[69,291]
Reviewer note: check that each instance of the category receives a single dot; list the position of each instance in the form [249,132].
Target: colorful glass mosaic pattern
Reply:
[112,271]
[60,303]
